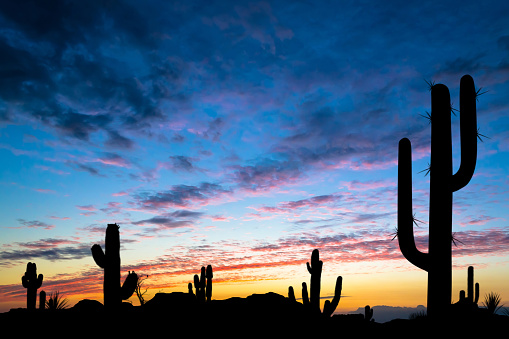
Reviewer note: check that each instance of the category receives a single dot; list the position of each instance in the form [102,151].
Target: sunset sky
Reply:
[243,135]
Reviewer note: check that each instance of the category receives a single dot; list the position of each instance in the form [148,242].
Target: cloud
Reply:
[114,159]
[35,224]
[182,163]
[320,201]
[47,249]
[266,175]
[176,219]
[90,208]
[180,196]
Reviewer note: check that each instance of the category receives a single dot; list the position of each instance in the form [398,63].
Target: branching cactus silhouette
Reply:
[315,269]
[472,296]
[368,314]
[203,284]
[109,260]
[31,281]
[438,260]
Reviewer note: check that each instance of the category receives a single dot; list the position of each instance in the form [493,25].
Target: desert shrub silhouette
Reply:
[438,261]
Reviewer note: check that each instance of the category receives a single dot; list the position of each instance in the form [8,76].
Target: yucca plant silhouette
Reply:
[438,261]
[109,260]
[31,281]
[56,302]
[492,302]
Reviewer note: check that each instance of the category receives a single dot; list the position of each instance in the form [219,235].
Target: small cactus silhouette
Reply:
[42,300]
[368,314]
[472,296]
[31,281]
[203,284]
[109,260]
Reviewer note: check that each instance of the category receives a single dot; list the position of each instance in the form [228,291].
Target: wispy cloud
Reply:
[34,224]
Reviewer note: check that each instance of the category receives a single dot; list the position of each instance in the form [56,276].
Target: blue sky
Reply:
[240,134]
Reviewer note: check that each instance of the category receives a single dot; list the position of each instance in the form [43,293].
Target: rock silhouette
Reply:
[438,261]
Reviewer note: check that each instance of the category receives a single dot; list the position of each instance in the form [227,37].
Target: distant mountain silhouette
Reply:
[383,313]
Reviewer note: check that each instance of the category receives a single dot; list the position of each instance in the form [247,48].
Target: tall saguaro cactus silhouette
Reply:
[315,269]
[109,260]
[438,261]
[31,281]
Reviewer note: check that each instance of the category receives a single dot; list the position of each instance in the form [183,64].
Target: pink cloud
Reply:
[89,208]
[368,185]
[44,190]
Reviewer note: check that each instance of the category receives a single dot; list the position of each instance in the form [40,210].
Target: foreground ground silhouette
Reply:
[267,314]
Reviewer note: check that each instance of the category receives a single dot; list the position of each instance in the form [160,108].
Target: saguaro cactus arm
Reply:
[405,231]
[209,275]
[129,286]
[98,255]
[330,306]
[305,296]
[468,133]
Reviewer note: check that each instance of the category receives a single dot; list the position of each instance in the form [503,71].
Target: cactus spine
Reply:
[438,261]
[109,260]
[31,281]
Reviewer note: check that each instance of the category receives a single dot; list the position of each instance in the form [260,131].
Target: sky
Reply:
[243,135]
